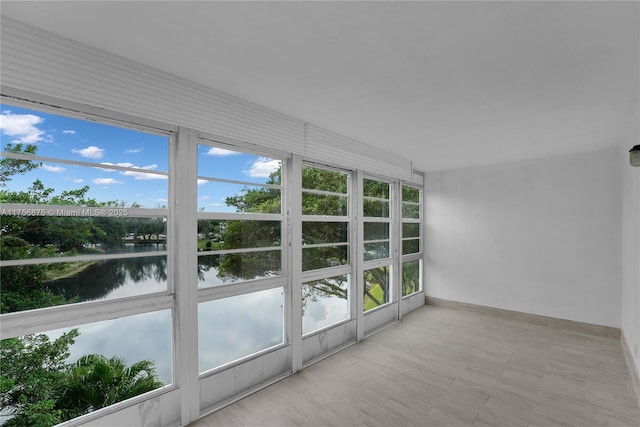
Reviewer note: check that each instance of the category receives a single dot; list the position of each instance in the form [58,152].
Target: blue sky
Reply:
[72,139]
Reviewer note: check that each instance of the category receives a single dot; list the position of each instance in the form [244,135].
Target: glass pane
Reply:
[378,189]
[232,328]
[376,250]
[69,184]
[410,194]
[376,291]
[224,197]
[216,162]
[324,180]
[329,256]
[376,208]
[317,204]
[216,270]
[324,302]
[410,211]
[410,229]
[85,368]
[324,232]
[51,135]
[410,277]
[29,287]
[410,246]
[376,230]
[219,234]
[25,237]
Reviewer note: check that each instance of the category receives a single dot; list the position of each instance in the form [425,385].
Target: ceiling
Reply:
[447,84]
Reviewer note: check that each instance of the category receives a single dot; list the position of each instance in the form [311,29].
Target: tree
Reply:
[10,167]
[40,389]
[245,234]
[95,382]
[31,374]
[22,286]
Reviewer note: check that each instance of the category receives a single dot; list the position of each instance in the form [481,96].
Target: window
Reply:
[84,224]
[239,216]
[239,245]
[239,326]
[411,240]
[376,203]
[325,247]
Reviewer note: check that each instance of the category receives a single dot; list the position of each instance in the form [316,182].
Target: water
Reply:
[116,278]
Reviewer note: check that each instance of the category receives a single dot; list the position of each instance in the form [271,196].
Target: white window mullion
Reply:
[357,282]
[185,267]
[295,257]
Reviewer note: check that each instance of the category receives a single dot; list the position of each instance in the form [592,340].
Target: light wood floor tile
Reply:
[444,367]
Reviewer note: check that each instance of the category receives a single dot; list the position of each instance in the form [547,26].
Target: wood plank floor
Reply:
[444,367]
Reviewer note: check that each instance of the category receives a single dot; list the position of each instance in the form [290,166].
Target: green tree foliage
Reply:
[31,376]
[94,382]
[245,234]
[40,389]
[22,285]
[10,167]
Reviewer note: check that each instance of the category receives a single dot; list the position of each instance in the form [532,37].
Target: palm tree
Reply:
[95,381]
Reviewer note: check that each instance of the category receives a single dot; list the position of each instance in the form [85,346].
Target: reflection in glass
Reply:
[376,208]
[319,204]
[410,277]
[235,327]
[324,232]
[323,257]
[324,302]
[377,189]
[376,230]
[411,246]
[410,194]
[376,287]
[28,287]
[410,229]
[85,368]
[219,234]
[324,180]
[410,211]
[216,270]
[376,250]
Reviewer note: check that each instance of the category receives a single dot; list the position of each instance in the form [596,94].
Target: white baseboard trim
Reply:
[551,322]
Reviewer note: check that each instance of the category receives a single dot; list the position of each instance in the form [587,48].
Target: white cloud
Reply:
[221,152]
[91,152]
[135,174]
[106,181]
[143,175]
[124,165]
[262,168]
[69,132]
[54,169]
[133,150]
[22,127]
[217,205]
[160,200]
[78,180]
[202,181]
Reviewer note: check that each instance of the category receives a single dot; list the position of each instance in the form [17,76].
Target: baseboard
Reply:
[631,366]
[551,322]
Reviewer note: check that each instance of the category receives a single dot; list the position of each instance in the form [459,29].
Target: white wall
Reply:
[631,251]
[539,236]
